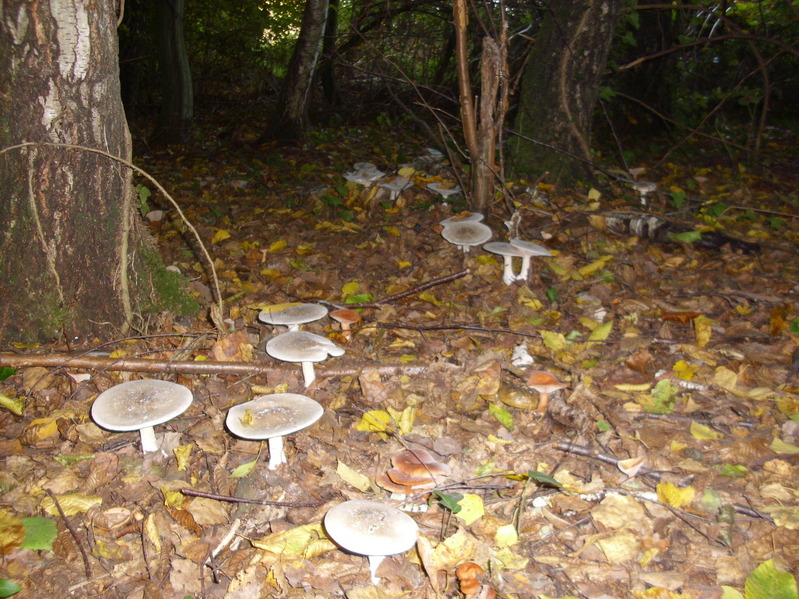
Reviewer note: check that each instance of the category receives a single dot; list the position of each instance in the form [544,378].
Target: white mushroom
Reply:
[273,417]
[528,249]
[140,405]
[395,185]
[372,529]
[508,253]
[644,188]
[294,315]
[304,347]
[365,173]
[467,233]
[444,192]
[461,217]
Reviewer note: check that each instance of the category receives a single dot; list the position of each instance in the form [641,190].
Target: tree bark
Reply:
[290,118]
[177,102]
[560,87]
[66,240]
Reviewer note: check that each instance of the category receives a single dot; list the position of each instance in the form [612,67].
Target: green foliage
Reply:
[168,288]
[144,194]
[40,533]
[767,582]
[8,588]
[6,371]
[449,501]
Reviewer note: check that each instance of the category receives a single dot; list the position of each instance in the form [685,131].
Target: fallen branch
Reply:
[411,291]
[192,367]
[74,534]
[233,499]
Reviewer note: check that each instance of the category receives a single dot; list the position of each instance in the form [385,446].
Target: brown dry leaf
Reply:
[233,348]
[12,533]
[207,512]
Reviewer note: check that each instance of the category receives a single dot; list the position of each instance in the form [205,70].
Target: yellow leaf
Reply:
[684,370]
[308,540]
[220,235]
[594,194]
[780,446]
[350,288]
[784,515]
[172,499]
[276,246]
[702,329]
[601,332]
[506,536]
[75,503]
[42,428]
[404,420]
[472,508]
[272,308]
[392,230]
[703,432]
[374,421]
[589,269]
[353,477]
[453,550]
[403,264]
[406,171]
[554,341]
[12,532]
[305,249]
[675,496]
[725,378]
[429,298]
[182,453]
[151,530]
[631,388]
[14,405]
[531,302]
[509,560]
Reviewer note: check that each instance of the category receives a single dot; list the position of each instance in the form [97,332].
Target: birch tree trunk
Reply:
[66,246]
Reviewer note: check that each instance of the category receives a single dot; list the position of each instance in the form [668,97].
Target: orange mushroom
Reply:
[545,383]
[347,319]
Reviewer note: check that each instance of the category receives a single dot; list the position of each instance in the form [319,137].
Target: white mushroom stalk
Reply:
[372,529]
[508,253]
[272,417]
[303,347]
[395,186]
[528,250]
[139,406]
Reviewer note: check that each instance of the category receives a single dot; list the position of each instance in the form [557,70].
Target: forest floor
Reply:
[667,466]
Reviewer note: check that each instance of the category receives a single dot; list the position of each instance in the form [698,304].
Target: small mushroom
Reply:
[347,319]
[444,192]
[365,173]
[467,233]
[644,188]
[529,250]
[272,417]
[294,315]
[140,405]
[395,186]
[304,347]
[413,470]
[545,383]
[372,529]
[508,253]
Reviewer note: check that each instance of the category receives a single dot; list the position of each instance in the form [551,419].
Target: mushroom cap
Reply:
[302,346]
[420,462]
[465,233]
[365,166]
[371,528]
[644,187]
[140,404]
[543,381]
[444,192]
[396,184]
[273,415]
[345,316]
[294,315]
[461,217]
[503,249]
[529,248]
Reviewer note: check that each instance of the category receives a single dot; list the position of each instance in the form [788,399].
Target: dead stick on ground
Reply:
[412,291]
[74,534]
[232,499]
[192,367]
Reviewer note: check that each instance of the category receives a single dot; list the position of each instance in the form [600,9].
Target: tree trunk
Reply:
[290,118]
[560,88]
[65,226]
[177,102]
[329,56]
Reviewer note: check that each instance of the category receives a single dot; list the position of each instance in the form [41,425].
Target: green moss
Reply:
[168,288]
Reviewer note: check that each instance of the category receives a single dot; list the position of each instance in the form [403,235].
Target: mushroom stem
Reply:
[543,400]
[308,373]
[277,453]
[525,272]
[374,563]
[507,272]
[148,442]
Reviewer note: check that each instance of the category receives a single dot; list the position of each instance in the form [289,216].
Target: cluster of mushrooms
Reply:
[366,528]
[467,230]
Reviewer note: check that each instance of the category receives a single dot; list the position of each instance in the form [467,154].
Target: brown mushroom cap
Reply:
[544,382]
[346,317]
[419,463]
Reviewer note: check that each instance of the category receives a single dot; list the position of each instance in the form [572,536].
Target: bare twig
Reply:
[233,499]
[74,534]
[412,291]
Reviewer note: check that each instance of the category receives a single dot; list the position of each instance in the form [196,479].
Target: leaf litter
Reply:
[666,467]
